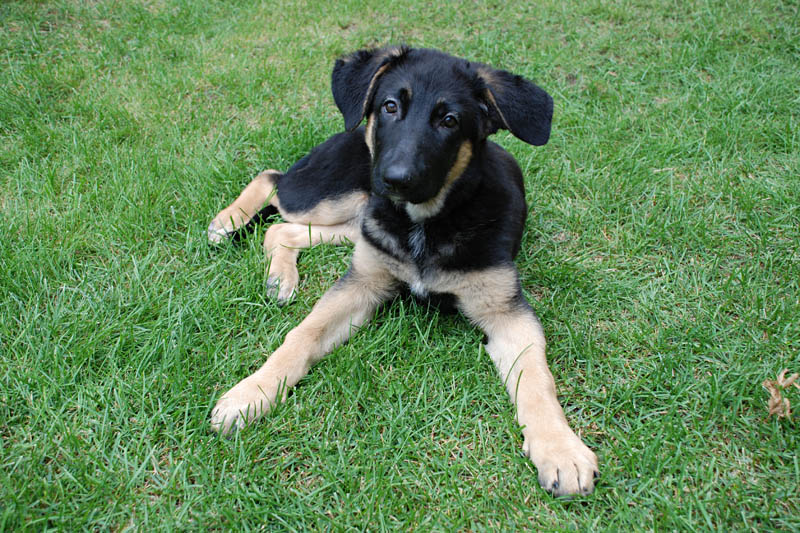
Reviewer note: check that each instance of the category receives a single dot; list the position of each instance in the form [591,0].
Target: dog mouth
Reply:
[394,196]
[412,197]
[399,198]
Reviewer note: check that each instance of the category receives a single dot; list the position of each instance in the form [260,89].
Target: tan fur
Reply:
[369,135]
[344,308]
[330,212]
[490,97]
[517,348]
[489,298]
[242,210]
[283,243]
[497,286]
[332,221]
[392,51]
[494,86]
[418,212]
[487,74]
[371,87]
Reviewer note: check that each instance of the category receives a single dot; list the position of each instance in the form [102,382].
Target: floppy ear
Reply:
[354,80]
[519,106]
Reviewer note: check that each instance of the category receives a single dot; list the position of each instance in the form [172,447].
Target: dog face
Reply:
[420,120]
[427,111]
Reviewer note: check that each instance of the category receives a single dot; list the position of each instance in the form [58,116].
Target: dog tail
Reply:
[259,218]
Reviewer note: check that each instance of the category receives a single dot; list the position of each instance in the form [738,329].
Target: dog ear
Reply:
[354,80]
[518,105]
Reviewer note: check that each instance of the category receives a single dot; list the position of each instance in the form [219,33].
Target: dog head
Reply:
[428,111]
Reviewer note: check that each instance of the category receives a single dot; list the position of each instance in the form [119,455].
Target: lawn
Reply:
[661,254]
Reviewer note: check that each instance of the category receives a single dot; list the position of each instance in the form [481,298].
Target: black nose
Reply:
[397,177]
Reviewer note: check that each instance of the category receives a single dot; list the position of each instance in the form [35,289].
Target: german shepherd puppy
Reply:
[432,206]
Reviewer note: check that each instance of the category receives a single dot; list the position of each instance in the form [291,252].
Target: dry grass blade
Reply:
[777,404]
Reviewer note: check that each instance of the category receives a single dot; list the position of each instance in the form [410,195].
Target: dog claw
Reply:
[278,290]
[216,233]
[566,468]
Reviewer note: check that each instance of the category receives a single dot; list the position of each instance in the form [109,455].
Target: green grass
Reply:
[661,255]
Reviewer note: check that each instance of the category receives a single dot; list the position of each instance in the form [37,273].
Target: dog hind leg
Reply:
[245,207]
[283,243]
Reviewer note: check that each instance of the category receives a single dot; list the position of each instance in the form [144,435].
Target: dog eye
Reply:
[450,121]
[390,106]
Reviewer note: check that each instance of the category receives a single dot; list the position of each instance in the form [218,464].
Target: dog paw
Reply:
[282,283]
[240,406]
[280,290]
[567,467]
[225,225]
[216,233]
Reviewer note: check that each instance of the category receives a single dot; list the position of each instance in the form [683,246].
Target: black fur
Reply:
[479,226]
[527,110]
[338,166]
[260,217]
[352,77]
[408,94]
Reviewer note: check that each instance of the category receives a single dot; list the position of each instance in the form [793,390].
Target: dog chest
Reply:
[416,241]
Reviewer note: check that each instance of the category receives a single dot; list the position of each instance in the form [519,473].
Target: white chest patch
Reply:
[418,289]
[416,241]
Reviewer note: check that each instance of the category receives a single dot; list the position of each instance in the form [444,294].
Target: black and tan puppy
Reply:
[431,206]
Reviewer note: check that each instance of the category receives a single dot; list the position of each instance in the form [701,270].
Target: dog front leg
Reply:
[347,305]
[516,344]
[517,348]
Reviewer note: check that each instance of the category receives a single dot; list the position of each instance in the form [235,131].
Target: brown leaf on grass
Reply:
[777,404]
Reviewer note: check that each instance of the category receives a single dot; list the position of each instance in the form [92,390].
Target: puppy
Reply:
[432,207]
